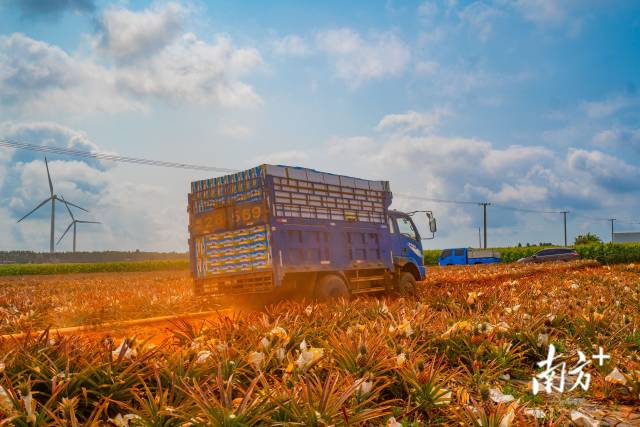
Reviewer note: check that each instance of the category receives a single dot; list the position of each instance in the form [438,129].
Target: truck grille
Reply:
[248,283]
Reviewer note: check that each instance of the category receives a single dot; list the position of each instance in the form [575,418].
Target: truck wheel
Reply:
[331,287]
[406,284]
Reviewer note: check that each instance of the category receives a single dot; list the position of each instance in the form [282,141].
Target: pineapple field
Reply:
[468,349]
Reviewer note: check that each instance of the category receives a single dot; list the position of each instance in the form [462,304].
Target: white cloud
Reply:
[566,15]
[434,35]
[606,137]
[289,158]
[520,193]
[358,60]
[35,75]
[541,11]
[445,167]
[236,131]
[126,34]
[48,134]
[479,17]
[449,167]
[608,107]
[194,72]
[136,58]
[353,147]
[617,138]
[413,120]
[569,135]
[514,158]
[456,81]
[608,171]
[122,206]
[427,68]
[291,45]
[428,9]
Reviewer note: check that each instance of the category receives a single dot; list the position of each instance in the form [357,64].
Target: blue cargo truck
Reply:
[290,230]
[468,256]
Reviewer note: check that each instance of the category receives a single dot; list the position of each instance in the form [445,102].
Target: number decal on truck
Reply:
[229,218]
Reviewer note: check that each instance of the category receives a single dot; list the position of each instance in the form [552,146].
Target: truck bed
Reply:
[482,253]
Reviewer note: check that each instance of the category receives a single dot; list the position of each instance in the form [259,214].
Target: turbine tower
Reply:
[52,198]
[74,221]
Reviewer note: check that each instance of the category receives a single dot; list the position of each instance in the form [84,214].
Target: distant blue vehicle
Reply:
[468,256]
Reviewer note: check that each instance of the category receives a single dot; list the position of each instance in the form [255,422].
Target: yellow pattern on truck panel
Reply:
[240,250]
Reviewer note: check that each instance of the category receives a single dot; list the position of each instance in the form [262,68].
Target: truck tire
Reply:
[330,287]
[406,284]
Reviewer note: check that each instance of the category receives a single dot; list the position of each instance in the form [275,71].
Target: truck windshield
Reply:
[405,227]
[446,253]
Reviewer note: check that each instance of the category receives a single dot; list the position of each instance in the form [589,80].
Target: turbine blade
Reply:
[69,203]
[35,209]
[64,234]
[48,176]
[67,206]
[88,222]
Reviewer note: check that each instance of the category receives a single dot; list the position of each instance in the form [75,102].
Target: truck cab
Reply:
[406,244]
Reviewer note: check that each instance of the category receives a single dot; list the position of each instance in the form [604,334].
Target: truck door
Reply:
[460,256]
[406,242]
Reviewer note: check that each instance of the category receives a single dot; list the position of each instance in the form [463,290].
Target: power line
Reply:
[429,199]
[602,219]
[4,142]
[513,208]
[110,157]
[627,222]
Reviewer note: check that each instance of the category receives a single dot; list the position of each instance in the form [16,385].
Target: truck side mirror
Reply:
[432,225]
[432,222]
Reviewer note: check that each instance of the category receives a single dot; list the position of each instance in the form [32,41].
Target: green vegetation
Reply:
[605,253]
[431,256]
[31,257]
[587,239]
[96,267]
[611,253]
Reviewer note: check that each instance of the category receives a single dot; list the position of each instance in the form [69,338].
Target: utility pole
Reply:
[484,214]
[612,220]
[479,239]
[564,214]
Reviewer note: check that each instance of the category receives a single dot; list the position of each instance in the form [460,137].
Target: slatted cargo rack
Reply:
[299,192]
[241,187]
[309,194]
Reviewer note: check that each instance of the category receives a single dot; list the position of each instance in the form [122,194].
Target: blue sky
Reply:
[528,103]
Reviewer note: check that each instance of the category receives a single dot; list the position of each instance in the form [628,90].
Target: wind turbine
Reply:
[52,198]
[74,221]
